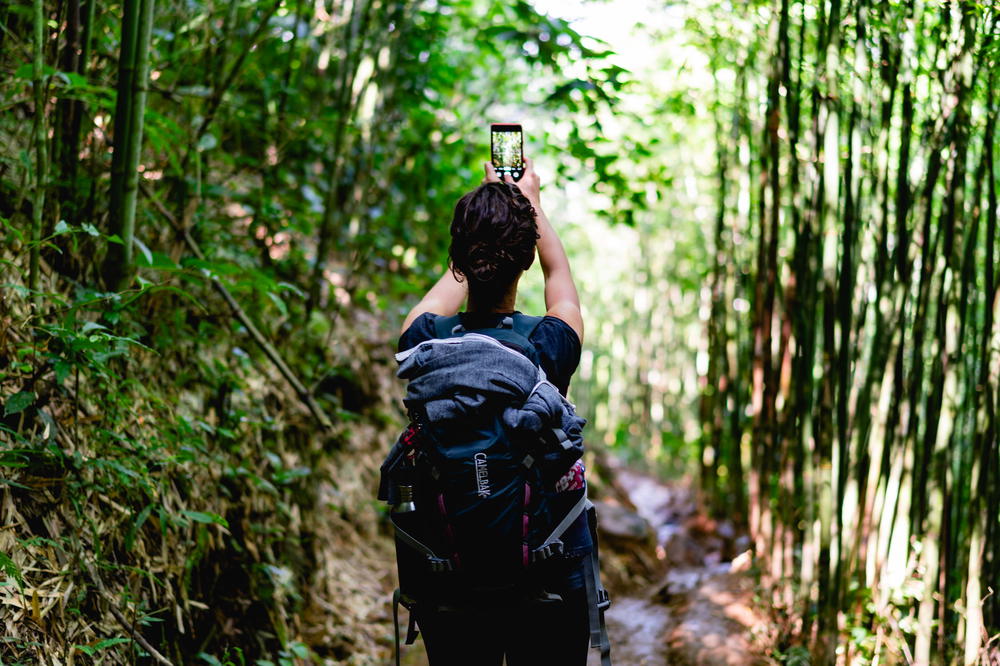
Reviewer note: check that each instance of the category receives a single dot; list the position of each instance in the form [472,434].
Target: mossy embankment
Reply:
[165,495]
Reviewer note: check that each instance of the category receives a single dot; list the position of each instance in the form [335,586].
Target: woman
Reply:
[495,233]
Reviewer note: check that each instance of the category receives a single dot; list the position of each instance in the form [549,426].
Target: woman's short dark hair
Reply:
[493,235]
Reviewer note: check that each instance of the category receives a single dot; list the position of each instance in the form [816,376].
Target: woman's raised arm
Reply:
[444,298]
[561,298]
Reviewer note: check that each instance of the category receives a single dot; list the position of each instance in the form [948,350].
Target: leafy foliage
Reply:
[298,165]
[194,447]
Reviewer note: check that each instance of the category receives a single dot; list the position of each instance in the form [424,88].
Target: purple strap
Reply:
[525,519]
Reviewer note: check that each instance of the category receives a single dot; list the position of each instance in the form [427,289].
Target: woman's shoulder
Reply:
[421,330]
[559,347]
[556,330]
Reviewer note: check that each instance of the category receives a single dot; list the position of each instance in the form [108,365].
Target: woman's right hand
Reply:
[529,183]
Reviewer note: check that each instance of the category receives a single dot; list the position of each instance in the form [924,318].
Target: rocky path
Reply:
[680,588]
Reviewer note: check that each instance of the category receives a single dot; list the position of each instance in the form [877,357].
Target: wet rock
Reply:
[677,548]
[638,633]
[619,522]
[715,624]
[678,583]
[726,530]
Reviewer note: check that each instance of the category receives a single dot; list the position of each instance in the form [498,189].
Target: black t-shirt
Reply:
[558,345]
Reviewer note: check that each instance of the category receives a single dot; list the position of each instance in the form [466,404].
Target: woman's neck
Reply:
[505,304]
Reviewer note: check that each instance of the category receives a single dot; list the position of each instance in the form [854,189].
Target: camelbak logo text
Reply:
[482,476]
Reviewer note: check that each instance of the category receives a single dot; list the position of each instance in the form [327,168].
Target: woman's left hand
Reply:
[528,185]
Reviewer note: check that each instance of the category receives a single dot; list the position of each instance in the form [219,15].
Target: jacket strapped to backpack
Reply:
[473,479]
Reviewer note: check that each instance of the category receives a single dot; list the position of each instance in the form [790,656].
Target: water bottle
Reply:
[405,504]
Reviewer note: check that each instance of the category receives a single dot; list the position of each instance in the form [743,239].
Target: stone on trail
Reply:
[616,521]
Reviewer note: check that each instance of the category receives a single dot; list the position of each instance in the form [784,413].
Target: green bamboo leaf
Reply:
[62,370]
[164,287]
[147,254]
[75,80]
[12,457]
[9,567]
[136,526]
[280,304]
[19,288]
[205,517]
[25,71]
[18,402]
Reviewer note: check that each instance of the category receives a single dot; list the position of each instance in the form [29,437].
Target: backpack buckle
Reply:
[440,565]
[556,438]
[547,550]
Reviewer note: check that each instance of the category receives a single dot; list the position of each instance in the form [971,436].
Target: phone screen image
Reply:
[507,150]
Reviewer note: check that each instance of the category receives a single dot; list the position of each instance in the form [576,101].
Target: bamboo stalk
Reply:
[985,432]
[137,109]
[123,135]
[41,162]
[877,327]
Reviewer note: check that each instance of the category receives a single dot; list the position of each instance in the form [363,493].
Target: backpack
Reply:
[474,502]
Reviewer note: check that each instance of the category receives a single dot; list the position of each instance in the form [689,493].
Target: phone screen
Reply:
[508,150]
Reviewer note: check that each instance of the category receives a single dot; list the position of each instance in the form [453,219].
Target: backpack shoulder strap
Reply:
[444,327]
[598,600]
[522,324]
[525,325]
[515,330]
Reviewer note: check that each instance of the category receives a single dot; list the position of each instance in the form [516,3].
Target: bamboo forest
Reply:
[781,217]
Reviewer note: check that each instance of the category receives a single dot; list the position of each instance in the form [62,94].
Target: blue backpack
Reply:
[475,506]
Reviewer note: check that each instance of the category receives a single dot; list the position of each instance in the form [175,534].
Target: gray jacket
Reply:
[454,377]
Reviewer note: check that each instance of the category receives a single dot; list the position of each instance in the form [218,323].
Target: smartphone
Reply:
[507,148]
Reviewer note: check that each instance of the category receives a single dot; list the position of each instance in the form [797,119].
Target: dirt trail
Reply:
[711,624]
[695,604]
